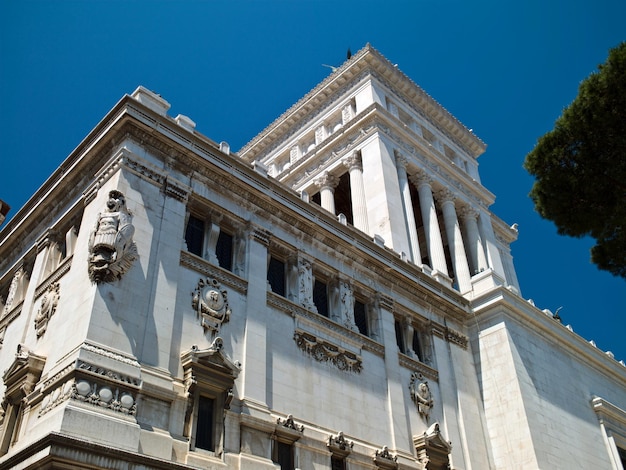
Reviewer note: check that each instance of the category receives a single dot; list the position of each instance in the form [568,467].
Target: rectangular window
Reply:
[320,297]
[224,250]
[204,425]
[276,276]
[284,455]
[337,463]
[194,235]
[360,317]
[400,337]
[417,345]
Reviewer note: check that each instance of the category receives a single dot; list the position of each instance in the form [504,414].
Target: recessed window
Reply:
[400,337]
[360,318]
[417,345]
[276,276]
[283,455]
[205,423]
[224,250]
[194,235]
[320,297]
[337,463]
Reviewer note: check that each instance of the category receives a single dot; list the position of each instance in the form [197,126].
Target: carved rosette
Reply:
[421,395]
[112,250]
[47,308]
[323,351]
[211,304]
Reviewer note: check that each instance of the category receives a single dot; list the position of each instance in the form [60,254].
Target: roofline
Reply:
[367,57]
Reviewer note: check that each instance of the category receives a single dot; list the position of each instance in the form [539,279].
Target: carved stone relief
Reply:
[384,459]
[323,351]
[104,396]
[47,308]
[211,304]
[421,395]
[112,250]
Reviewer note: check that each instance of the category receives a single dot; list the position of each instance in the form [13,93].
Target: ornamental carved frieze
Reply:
[323,351]
[104,396]
[211,304]
[112,250]
[421,395]
[47,308]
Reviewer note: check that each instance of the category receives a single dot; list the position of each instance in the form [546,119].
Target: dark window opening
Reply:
[317,198]
[284,456]
[400,337]
[320,297]
[224,250]
[360,317]
[417,346]
[337,463]
[194,235]
[343,198]
[276,276]
[204,427]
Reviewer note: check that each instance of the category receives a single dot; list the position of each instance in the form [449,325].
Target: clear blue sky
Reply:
[505,69]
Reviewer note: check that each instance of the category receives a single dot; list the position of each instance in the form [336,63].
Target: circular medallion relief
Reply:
[213,299]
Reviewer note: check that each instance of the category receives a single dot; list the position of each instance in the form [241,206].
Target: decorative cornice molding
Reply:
[202,266]
[414,365]
[110,354]
[61,271]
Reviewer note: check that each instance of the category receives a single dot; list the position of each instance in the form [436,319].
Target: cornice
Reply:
[501,302]
[367,59]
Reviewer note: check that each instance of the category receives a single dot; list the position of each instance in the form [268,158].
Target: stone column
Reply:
[455,241]
[478,260]
[409,216]
[491,246]
[359,207]
[327,184]
[431,224]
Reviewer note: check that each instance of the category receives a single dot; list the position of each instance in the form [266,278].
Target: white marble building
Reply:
[335,295]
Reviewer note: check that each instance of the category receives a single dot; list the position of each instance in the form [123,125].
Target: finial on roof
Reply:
[348,54]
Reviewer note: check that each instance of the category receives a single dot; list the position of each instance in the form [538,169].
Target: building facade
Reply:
[336,295]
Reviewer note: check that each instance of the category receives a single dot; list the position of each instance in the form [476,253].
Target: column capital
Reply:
[420,178]
[354,161]
[468,212]
[445,195]
[401,160]
[326,181]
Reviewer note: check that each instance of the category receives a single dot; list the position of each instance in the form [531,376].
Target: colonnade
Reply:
[464,240]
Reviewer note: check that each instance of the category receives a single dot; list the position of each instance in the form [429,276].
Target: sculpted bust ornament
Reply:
[111,247]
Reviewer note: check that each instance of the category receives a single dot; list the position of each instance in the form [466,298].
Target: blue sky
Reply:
[505,69]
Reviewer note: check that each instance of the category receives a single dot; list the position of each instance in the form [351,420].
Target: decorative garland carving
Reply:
[57,396]
[112,250]
[323,351]
[47,308]
[211,304]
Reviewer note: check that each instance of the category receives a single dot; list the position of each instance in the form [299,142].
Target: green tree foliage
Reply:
[580,165]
